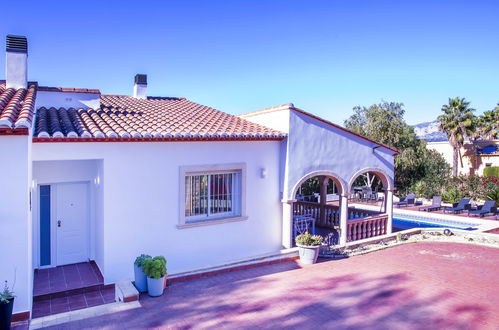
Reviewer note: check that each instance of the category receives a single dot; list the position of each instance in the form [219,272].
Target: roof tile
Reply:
[17,107]
[125,117]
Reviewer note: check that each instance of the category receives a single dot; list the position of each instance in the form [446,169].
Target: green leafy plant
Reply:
[452,195]
[155,267]
[493,195]
[7,294]
[309,240]
[139,261]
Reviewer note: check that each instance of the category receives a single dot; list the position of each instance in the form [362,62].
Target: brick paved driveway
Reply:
[417,286]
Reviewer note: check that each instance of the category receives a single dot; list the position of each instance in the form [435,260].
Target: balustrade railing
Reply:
[331,217]
[366,227]
[361,223]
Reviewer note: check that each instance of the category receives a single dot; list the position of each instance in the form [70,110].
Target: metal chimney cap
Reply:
[141,79]
[18,44]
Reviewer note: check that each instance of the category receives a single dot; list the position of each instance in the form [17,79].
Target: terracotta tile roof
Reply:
[122,118]
[17,107]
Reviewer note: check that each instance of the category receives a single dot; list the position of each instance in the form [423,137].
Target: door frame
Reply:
[53,221]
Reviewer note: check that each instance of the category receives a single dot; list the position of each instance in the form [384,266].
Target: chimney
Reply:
[140,86]
[16,62]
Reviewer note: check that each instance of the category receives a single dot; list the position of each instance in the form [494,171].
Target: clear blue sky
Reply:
[239,56]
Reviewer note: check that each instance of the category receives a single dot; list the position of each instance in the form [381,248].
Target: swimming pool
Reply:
[404,223]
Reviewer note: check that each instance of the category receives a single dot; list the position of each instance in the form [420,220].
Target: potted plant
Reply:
[6,305]
[308,247]
[140,277]
[155,269]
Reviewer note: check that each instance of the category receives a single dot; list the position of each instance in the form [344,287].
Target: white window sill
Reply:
[211,222]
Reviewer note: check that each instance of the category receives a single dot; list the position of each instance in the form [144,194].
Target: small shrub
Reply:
[452,195]
[139,261]
[309,240]
[493,195]
[155,267]
[491,171]
[6,295]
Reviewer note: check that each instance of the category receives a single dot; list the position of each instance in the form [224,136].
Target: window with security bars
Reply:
[213,195]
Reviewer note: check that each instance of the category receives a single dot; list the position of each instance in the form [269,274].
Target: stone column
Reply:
[287,224]
[323,180]
[343,218]
[389,210]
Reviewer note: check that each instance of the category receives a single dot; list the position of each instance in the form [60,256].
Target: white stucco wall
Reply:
[67,100]
[317,146]
[16,69]
[314,146]
[140,187]
[53,172]
[15,219]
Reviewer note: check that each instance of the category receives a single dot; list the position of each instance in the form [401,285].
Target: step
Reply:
[73,300]
[126,291]
[66,280]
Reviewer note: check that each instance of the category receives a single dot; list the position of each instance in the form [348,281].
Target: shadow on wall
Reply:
[257,298]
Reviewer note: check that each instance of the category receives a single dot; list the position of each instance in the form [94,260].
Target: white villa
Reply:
[88,176]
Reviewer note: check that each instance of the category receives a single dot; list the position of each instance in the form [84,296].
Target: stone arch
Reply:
[333,176]
[386,180]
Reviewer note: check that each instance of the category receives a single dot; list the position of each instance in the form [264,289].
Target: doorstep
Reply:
[68,288]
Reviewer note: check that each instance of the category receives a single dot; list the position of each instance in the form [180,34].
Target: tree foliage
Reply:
[415,166]
[458,123]
[488,124]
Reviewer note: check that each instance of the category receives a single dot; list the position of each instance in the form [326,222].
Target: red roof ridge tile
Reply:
[68,90]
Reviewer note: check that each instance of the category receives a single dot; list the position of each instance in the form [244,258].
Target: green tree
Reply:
[415,165]
[488,124]
[383,122]
[457,122]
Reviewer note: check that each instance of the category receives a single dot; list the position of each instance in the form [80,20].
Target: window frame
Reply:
[208,170]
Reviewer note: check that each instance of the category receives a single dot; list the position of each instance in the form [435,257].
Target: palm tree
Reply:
[488,124]
[457,123]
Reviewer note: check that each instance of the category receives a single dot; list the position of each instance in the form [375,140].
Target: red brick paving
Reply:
[414,286]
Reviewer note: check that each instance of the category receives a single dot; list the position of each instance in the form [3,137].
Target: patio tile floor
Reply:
[65,278]
[413,286]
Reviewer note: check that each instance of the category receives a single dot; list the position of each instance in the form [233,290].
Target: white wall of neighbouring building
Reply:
[15,219]
[139,183]
[67,100]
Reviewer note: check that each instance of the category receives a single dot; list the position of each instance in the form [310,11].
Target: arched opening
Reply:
[370,186]
[367,188]
[317,206]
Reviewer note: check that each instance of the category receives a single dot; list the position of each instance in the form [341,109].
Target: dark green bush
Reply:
[139,261]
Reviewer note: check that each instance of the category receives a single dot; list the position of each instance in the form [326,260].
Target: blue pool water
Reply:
[402,224]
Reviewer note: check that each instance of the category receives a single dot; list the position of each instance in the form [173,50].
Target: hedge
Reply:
[491,171]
